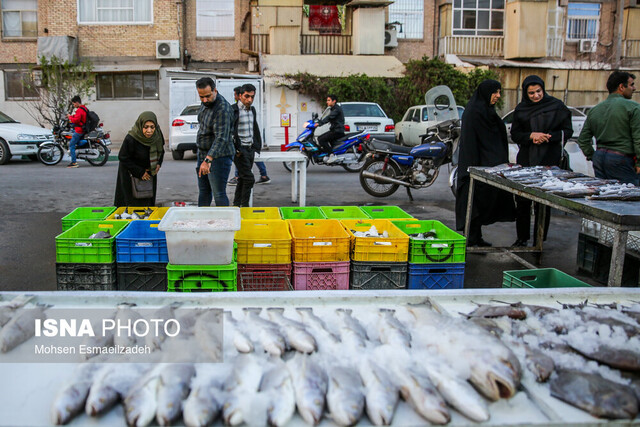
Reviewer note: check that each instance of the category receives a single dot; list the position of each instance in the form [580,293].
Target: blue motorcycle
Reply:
[347,151]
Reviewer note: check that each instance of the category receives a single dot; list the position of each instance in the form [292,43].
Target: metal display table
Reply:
[298,167]
[621,216]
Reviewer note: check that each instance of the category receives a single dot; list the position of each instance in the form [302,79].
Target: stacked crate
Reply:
[86,214]
[84,263]
[320,254]
[141,256]
[264,254]
[377,262]
[436,261]
[200,248]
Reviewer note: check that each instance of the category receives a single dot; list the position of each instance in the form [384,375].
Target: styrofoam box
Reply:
[193,240]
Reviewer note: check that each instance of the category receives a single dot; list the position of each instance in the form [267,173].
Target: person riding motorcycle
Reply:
[336,129]
[78,119]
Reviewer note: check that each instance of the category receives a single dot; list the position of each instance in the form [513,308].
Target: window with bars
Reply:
[555,34]
[583,21]
[409,13]
[19,18]
[215,18]
[14,87]
[478,17]
[137,85]
[115,11]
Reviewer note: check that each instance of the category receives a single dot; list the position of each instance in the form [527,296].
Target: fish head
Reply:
[494,380]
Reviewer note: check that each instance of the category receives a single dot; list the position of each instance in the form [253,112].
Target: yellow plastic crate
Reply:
[260,213]
[263,241]
[319,240]
[159,213]
[140,210]
[394,248]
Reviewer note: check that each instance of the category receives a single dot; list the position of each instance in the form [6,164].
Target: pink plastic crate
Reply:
[312,276]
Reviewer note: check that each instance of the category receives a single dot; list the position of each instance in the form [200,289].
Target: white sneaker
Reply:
[331,159]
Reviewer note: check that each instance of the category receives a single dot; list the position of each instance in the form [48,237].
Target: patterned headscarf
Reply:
[155,143]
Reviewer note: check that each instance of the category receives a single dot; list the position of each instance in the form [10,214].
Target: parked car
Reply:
[18,139]
[359,116]
[183,132]
[416,121]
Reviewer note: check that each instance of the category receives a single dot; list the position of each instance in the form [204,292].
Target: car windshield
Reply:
[6,119]
[191,110]
[362,110]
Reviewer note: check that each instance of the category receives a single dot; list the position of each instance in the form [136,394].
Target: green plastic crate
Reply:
[448,247]
[307,212]
[202,278]
[343,212]
[385,212]
[540,278]
[86,214]
[74,245]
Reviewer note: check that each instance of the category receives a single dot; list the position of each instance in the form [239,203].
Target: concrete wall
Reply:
[525,22]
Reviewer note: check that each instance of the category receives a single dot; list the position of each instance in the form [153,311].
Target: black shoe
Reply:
[520,243]
[480,243]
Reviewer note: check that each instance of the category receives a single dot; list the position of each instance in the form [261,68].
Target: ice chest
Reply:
[200,236]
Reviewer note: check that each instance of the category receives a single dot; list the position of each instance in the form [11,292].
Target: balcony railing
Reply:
[555,47]
[471,45]
[326,45]
[631,48]
[259,43]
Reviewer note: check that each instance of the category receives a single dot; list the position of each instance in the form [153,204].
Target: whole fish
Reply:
[141,403]
[541,365]
[101,235]
[598,396]
[345,396]
[419,392]
[627,359]
[21,327]
[242,383]
[126,316]
[269,333]
[282,402]
[112,384]
[325,339]
[208,333]
[352,333]
[203,405]
[381,393]
[153,340]
[9,308]
[100,340]
[70,400]
[310,384]
[492,310]
[295,332]
[241,340]
[175,381]
[392,332]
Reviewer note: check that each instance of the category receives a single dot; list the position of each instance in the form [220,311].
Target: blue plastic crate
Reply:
[436,276]
[141,241]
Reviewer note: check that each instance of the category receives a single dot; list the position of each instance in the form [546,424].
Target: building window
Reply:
[14,86]
[214,18]
[583,21]
[410,14]
[115,11]
[478,17]
[19,18]
[139,85]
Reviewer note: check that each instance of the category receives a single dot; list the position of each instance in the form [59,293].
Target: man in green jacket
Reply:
[615,123]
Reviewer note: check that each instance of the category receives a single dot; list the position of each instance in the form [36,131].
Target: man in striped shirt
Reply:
[215,146]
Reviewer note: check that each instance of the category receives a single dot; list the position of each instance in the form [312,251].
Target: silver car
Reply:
[18,139]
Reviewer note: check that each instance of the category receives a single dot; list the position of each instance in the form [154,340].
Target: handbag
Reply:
[564,156]
[140,188]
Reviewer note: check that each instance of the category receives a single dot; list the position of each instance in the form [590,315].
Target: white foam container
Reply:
[199,244]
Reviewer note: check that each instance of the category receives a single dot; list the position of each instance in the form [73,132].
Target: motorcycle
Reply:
[348,150]
[93,147]
[388,166]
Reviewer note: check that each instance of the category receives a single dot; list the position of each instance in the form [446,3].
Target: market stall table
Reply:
[621,216]
[298,166]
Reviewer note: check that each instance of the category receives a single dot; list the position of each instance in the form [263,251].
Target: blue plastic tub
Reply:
[436,276]
[141,241]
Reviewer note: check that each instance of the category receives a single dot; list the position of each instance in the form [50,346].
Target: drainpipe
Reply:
[618,51]
[183,43]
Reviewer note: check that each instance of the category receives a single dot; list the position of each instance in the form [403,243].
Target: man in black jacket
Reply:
[247,141]
[336,130]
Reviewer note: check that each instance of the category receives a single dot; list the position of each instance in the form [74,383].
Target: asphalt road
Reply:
[35,197]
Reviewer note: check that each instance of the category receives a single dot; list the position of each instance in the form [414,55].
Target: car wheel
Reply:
[400,140]
[177,155]
[5,154]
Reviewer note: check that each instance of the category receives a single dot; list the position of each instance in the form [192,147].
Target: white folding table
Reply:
[298,166]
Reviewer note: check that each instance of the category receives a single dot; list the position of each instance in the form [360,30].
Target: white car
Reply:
[18,139]
[359,116]
[183,132]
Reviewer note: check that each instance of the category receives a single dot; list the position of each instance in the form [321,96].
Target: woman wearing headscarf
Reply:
[483,142]
[140,156]
[541,124]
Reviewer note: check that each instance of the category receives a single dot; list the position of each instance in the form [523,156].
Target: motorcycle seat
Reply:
[344,138]
[390,147]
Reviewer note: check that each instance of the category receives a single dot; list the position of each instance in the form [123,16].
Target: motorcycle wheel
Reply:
[379,189]
[50,154]
[355,167]
[287,165]
[104,154]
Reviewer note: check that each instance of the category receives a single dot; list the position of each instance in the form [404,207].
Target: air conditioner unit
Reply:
[587,46]
[391,38]
[167,49]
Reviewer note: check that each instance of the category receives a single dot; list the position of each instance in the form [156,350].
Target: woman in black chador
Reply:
[140,156]
[541,124]
[483,142]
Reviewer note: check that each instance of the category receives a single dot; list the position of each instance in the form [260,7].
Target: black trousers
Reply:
[523,219]
[326,139]
[244,162]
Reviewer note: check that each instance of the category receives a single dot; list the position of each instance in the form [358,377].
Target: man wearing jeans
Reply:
[78,119]
[615,123]
[215,146]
